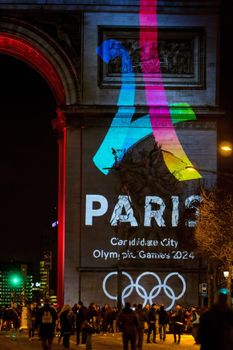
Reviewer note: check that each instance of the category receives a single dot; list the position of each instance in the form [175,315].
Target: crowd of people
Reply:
[136,323]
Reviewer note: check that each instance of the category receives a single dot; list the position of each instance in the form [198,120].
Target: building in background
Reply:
[44,279]
[45,268]
[15,285]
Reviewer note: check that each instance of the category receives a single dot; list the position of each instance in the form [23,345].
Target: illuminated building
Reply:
[45,268]
[44,278]
[36,291]
[13,285]
[125,75]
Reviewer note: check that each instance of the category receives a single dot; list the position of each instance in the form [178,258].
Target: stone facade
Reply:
[68,34]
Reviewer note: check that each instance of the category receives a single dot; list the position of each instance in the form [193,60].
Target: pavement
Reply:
[100,342]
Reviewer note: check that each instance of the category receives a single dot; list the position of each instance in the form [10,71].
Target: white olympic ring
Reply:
[141,291]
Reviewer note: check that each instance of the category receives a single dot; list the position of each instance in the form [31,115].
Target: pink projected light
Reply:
[164,132]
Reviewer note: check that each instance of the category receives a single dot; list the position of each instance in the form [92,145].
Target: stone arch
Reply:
[35,47]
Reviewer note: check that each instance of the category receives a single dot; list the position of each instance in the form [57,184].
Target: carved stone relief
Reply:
[181,56]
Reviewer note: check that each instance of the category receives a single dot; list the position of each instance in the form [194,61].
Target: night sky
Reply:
[29,161]
[29,153]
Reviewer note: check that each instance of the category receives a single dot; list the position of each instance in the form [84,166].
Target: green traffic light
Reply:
[15,280]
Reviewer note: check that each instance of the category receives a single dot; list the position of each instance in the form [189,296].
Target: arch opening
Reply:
[16,46]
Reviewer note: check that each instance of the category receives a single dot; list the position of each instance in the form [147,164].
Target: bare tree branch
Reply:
[214,228]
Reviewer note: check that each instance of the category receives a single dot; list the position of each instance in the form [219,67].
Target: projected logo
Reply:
[124,133]
[148,297]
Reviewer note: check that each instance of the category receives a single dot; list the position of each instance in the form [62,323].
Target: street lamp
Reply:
[225,149]
[228,276]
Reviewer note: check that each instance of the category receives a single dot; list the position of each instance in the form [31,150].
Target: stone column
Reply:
[72,207]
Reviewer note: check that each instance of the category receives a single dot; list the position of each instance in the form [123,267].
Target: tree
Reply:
[214,230]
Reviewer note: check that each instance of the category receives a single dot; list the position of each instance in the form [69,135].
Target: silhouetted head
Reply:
[127,305]
[47,301]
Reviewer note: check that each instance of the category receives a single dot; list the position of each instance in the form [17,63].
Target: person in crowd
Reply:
[187,320]
[146,311]
[216,326]
[5,320]
[58,332]
[141,316]
[163,322]
[1,317]
[108,320]
[128,323]
[152,323]
[115,315]
[80,316]
[98,321]
[31,320]
[66,317]
[178,323]
[103,313]
[46,321]
[195,320]
[14,316]
[90,325]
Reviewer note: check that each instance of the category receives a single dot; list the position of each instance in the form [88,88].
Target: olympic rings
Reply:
[141,291]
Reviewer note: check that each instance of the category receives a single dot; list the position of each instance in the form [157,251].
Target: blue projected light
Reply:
[123,133]
[121,123]
[223,291]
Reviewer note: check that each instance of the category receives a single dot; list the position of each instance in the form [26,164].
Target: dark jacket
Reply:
[46,319]
[152,315]
[216,329]
[31,317]
[67,322]
[163,316]
[90,321]
[127,321]
[141,316]
[14,316]
[80,316]
[178,317]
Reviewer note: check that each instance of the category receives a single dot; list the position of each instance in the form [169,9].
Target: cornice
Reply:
[109,110]
[164,6]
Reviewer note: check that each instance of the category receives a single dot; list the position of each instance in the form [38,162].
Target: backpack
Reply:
[46,317]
